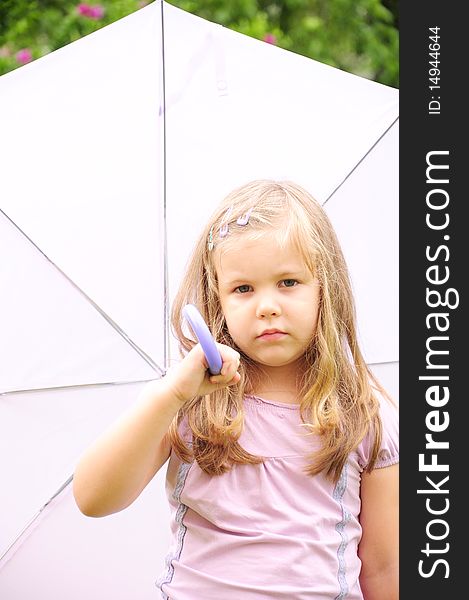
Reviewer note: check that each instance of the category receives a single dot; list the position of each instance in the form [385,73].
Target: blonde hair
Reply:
[337,390]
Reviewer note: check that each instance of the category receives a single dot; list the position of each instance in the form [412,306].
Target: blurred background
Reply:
[357,36]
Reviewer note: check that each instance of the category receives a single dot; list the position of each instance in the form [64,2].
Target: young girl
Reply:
[282,476]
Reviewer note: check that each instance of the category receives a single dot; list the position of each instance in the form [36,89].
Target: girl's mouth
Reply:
[271,335]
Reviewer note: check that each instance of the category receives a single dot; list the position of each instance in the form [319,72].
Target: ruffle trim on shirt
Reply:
[340,527]
[167,576]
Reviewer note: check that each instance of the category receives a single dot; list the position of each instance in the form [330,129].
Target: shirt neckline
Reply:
[286,405]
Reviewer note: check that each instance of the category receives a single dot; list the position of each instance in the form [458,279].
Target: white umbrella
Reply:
[114,152]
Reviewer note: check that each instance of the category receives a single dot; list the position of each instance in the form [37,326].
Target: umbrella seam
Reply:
[361,160]
[105,316]
[15,543]
[165,229]
[77,385]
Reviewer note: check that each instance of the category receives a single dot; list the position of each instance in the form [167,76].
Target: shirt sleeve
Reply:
[389,450]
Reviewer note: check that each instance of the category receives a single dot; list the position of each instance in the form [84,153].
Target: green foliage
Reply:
[41,26]
[358,36]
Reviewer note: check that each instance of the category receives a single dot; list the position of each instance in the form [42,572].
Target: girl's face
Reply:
[269,298]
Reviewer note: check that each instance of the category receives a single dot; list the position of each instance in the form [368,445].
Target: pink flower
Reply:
[92,12]
[97,12]
[24,56]
[83,9]
[270,38]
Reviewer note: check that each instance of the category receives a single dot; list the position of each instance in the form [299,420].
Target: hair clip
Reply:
[244,219]
[223,232]
[210,239]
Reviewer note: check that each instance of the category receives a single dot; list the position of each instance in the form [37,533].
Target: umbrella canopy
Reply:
[115,149]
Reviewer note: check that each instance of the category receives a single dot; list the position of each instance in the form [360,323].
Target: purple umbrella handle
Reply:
[199,327]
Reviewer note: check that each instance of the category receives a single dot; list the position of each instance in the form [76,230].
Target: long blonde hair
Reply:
[337,397]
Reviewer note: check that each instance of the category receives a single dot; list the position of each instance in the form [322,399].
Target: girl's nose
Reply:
[267,307]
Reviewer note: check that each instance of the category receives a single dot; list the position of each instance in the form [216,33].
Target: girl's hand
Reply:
[191,378]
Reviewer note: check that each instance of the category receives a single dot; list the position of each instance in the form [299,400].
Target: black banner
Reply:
[433,230]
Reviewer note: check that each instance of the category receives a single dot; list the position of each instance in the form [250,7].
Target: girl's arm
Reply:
[379,546]
[112,473]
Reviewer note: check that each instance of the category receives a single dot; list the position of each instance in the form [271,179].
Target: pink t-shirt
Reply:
[269,531]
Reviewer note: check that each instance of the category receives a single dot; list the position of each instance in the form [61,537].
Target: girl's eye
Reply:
[289,282]
[242,289]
